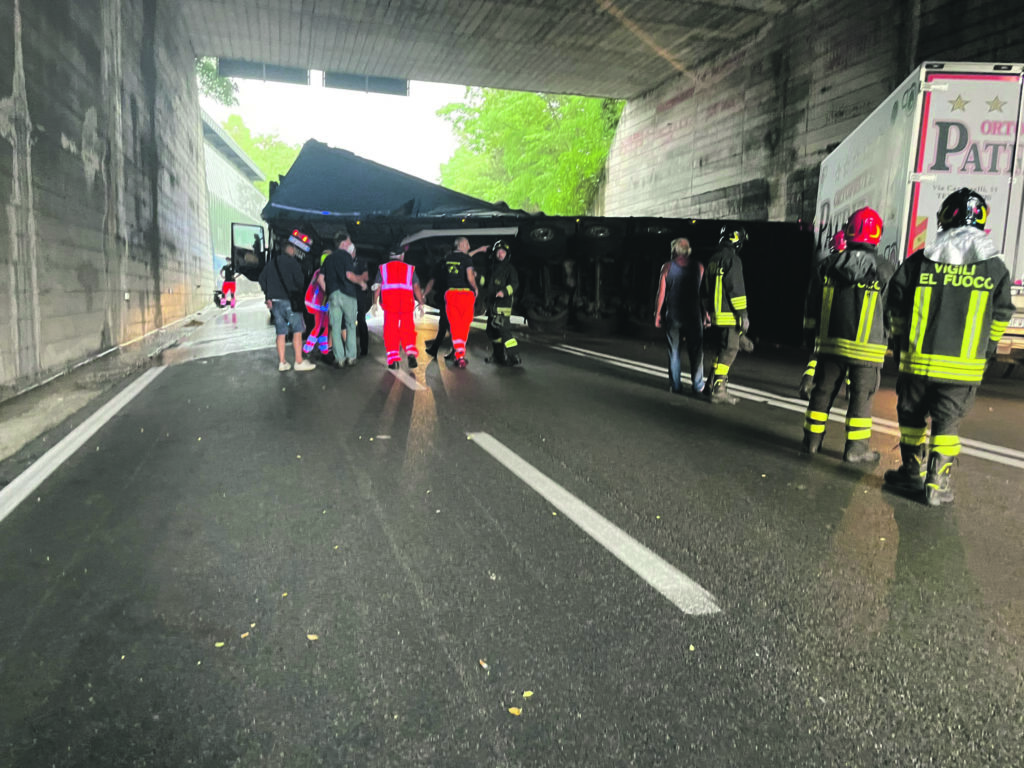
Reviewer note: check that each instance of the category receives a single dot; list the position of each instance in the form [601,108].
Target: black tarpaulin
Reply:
[328,182]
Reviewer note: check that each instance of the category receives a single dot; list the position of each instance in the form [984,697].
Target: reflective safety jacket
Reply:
[396,281]
[845,305]
[501,276]
[725,296]
[949,305]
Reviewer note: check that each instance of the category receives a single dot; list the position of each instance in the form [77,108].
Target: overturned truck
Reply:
[593,275]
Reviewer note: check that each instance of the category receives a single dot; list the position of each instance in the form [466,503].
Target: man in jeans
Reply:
[282,281]
[342,284]
[679,302]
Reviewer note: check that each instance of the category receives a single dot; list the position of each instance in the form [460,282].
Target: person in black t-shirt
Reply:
[460,298]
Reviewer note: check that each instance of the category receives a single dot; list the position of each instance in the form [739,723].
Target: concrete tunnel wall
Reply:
[101,179]
[743,136]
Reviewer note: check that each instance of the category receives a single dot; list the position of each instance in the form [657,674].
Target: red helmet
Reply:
[839,242]
[864,226]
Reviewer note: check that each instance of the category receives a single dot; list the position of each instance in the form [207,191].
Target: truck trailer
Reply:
[948,125]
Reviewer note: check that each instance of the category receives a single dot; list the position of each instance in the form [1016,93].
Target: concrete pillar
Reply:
[102,181]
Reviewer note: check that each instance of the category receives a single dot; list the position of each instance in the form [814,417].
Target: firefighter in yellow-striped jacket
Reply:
[725,299]
[948,306]
[845,313]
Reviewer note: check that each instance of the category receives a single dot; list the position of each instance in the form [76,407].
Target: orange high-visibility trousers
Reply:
[459,303]
[399,335]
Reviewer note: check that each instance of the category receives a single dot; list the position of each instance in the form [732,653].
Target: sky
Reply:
[402,132]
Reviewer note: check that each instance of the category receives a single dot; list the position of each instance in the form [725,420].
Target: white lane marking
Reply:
[406,379]
[1000,454]
[18,489]
[681,591]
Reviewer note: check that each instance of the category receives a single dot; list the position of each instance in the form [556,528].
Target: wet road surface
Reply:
[248,567]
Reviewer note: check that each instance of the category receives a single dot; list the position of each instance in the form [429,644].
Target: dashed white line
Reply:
[677,587]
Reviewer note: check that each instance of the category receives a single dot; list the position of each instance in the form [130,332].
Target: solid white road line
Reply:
[25,483]
[681,591]
[997,453]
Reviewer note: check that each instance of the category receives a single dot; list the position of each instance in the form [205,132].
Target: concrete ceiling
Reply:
[613,48]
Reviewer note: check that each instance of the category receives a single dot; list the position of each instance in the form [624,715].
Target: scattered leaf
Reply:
[298,456]
[484,664]
[219,644]
[253,625]
[312,637]
[527,694]
[554,514]
[122,657]
[198,439]
[882,538]
[335,546]
[692,648]
[244,635]
[515,711]
[284,594]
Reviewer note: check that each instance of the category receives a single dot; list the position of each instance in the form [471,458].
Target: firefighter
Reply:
[948,306]
[499,286]
[726,301]
[396,287]
[836,245]
[844,311]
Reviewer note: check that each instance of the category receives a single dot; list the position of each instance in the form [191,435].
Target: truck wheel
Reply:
[547,322]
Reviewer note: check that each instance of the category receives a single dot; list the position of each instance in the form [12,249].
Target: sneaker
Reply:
[350,362]
[413,362]
[393,366]
[450,355]
[284,366]
[305,365]
[462,362]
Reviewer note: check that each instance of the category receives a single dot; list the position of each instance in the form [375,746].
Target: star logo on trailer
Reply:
[996,105]
[959,104]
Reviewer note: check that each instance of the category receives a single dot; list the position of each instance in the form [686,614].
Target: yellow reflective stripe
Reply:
[511,343]
[972,328]
[913,435]
[854,421]
[718,294]
[721,369]
[998,329]
[814,429]
[942,366]
[867,315]
[815,422]
[739,303]
[870,353]
[946,445]
[919,321]
[723,318]
[508,290]
[826,308]
[858,434]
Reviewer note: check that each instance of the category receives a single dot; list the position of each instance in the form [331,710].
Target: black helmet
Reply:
[963,207]
[504,245]
[734,236]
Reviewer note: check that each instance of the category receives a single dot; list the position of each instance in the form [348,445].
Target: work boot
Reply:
[859,452]
[938,487]
[805,388]
[450,356]
[512,359]
[812,442]
[393,366]
[462,362]
[431,348]
[497,355]
[411,359]
[909,478]
[720,393]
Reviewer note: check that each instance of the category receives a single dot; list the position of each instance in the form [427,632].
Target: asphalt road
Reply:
[245,567]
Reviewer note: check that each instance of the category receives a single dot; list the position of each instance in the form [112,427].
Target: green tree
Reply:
[539,152]
[271,155]
[218,88]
